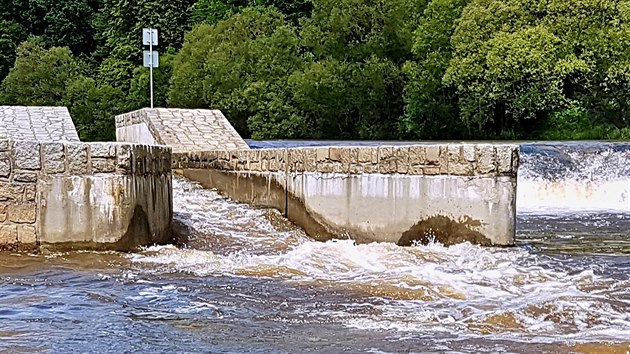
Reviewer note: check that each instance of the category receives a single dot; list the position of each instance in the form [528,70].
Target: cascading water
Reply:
[247,280]
[566,178]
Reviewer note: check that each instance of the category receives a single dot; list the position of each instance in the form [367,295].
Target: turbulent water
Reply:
[247,280]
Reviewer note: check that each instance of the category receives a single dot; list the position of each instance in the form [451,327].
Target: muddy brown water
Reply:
[247,280]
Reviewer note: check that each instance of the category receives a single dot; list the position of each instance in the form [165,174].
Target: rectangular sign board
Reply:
[151,60]
[149,36]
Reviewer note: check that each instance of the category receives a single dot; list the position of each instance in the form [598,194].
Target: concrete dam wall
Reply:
[404,194]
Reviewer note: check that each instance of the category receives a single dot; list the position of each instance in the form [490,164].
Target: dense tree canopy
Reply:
[332,69]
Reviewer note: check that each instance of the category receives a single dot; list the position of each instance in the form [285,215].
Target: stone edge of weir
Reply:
[73,195]
[447,192]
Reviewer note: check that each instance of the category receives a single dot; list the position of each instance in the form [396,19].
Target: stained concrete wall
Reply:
[404,194]
[84,195]
[181,129]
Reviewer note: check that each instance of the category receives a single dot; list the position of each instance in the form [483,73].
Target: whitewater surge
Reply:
[565,178]
[462,290]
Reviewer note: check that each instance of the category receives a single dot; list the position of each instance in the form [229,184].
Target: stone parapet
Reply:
[181,129]
[64,193]
[485,160]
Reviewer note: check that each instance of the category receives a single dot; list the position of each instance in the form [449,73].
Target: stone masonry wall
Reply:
[435,159]
[22,163]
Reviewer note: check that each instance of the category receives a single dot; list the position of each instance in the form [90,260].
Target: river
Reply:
[247,280]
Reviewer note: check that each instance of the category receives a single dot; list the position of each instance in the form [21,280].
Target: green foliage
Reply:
[66,23]
[515,61]
[355,30]
[40,76]
[11,35]
[139,95]
[431,110]
[225,65]
[93,108]
[349,100]
[213,11]
[367,69]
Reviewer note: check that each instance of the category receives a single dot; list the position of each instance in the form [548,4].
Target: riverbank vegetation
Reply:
[332,69]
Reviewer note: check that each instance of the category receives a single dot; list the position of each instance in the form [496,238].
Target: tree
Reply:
[59,23]
[93,108]
[213,11]
[227,66]
[356,30]
[40,76]
[11,35]
[431,108]
[120,24]
[139,95]
[515,63]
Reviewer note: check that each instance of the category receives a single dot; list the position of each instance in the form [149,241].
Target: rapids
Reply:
[247,280]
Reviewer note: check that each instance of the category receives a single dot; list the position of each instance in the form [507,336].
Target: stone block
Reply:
[11,191]
[485,159]
[103,165]
[5,145]
[296,160]
[30,192]
[369,168]
[335,153]
[102,150]
[4,212]
[432,154]
[355,168]
[349,155]
[444,159]
[417,155]
[8,234]
[460,169]
[77,159]
[415,170]
[25,177]
[431,170]
[26,234]
[454,153]
[310,159]
[468,152]
[504,158]
[325,167]
[322,154]
[364,154]
[402,159]
[27,155]
[385,153]
[23,213]
[123,159]
[5,164]
[53,158]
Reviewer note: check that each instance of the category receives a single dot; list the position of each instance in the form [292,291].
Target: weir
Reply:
[447,192]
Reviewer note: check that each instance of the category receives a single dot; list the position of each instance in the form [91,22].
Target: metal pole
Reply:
[151,65]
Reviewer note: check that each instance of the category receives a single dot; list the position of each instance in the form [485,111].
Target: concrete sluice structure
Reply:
[59,193]
[450,193]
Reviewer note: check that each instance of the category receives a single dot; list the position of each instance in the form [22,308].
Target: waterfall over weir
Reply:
[565,178]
